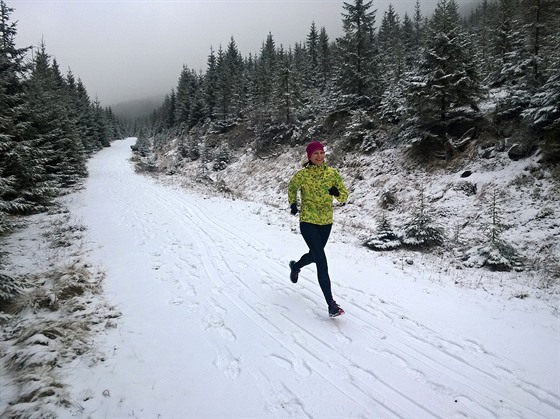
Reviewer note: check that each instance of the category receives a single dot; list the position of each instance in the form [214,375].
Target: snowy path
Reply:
[212,326]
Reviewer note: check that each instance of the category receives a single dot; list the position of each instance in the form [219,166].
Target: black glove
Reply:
[334,191]
[294,209]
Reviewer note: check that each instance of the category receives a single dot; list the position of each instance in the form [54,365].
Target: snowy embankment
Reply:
[211,326]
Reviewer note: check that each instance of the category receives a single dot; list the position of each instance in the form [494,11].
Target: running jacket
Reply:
[313,182]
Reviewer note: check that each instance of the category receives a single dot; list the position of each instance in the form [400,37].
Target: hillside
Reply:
[483,189]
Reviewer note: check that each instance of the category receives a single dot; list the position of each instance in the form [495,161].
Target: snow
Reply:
[211,325]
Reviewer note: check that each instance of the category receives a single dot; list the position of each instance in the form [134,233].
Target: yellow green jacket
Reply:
[313,182]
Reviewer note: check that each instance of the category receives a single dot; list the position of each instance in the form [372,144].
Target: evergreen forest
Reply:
[49,127]
[432,84]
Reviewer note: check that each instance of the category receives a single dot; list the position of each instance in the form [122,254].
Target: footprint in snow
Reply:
[299,366]
[229,365]
[176,301]
[221,328]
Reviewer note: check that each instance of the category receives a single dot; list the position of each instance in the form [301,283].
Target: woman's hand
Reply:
[334,191]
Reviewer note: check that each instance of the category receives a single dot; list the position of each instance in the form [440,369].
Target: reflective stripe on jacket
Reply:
[313,182]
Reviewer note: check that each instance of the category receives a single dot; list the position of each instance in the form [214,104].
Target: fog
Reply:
[127,50]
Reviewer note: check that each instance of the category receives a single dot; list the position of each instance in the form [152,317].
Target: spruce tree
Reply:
[234,76]
[86,117]
[410,49]
[13,122]
[385,238]
[23,164]
[392,66]
[421,230]
[495,253]
[53,123]
[288,86]
[543,116]
[210,86]
[357,73]
[312,43]
[324,59]
[186,88]
[447,83]
[266,75]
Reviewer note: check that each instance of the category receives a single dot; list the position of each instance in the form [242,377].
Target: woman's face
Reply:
[318,157]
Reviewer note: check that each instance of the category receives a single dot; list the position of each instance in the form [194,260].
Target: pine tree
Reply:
[447,84]
[386,238]
[83,107]
[392,63]
[210,86]
[288,87]
[313,70]
[12,114]
[53,123]
[357,74]
[230,89]
[391,48]
[234,72]
[24,162]
[411,50]
[168,112]
[266,75]
[422,231]
[495,253]
[186,88]
[544,116]
[324,59]
[418,26]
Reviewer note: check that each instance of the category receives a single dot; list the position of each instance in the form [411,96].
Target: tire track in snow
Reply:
[242,277]
[220,267]
[450,360]
[450,363]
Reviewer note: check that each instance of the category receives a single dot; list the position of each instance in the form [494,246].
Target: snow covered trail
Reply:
[212,326]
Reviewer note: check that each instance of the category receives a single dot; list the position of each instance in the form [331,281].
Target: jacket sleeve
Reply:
[293,187]
[339,183]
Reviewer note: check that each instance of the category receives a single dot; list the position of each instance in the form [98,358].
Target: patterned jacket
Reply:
[313,182]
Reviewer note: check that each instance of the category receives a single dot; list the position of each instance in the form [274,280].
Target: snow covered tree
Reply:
[418,20]
[447,88]
[83,107]
[357,72]
[385,238]
[544,116]
[168,109]
[410,48]
[422,231]
[103,124]
[312,43]
[391,48]
[324,59]
[495,253]
[52,123]
[392,67]
[186,88]
[481,26]
[288,89]
[541,18]
[12,113]
[210,86]
[230,84]
[265,75]
[23,163]
[222,157]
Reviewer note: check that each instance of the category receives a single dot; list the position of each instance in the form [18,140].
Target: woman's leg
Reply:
[316,237]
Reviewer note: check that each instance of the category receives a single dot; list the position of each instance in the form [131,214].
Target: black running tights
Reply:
[316,237]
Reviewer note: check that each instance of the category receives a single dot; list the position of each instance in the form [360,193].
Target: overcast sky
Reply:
[131,49]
